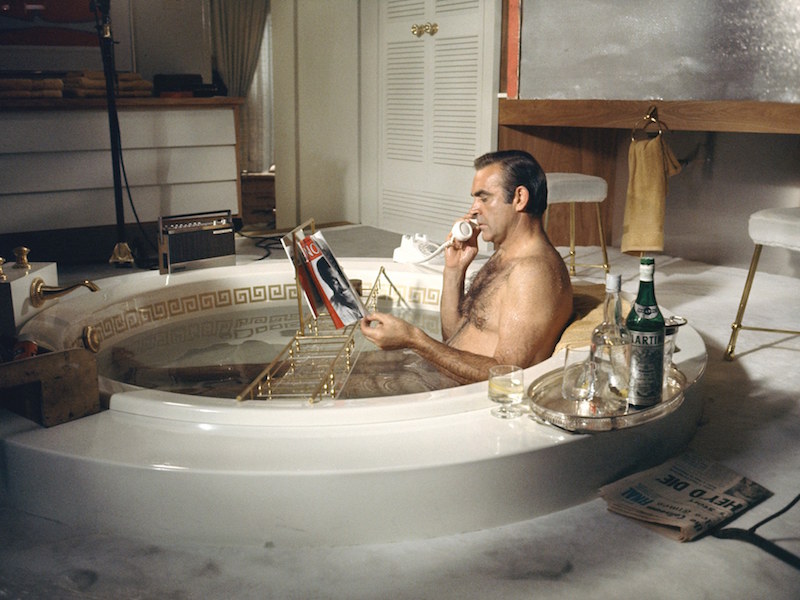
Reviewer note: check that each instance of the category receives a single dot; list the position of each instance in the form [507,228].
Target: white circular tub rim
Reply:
[130,399]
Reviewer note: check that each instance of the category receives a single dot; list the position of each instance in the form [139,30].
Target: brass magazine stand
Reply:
[315,364]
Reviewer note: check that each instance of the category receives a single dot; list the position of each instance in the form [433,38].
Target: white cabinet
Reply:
[57,171]
[438,73]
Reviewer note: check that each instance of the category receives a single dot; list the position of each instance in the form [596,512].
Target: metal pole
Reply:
[122,254]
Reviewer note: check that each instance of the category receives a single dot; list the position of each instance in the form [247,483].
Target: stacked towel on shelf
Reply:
[650,164]
[92,84]
[20,87]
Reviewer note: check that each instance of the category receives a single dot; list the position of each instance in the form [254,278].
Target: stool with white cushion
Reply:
[573,188]
[776,227]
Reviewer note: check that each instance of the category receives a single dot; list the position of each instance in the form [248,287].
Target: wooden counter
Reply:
[585,136]
[678,115]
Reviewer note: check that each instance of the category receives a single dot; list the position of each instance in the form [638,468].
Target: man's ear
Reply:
[521,198]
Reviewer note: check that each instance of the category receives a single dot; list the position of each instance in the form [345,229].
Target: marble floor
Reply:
[750,423]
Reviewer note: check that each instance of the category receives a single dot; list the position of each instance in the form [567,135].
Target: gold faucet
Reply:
[41,293]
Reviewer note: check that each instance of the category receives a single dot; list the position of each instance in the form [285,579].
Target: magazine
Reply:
[291,244]
[684,497]
[322,279]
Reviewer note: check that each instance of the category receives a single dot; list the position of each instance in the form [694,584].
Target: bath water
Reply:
[219,354]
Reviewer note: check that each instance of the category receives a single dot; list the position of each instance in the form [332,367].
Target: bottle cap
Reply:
[613,282]
[646,269]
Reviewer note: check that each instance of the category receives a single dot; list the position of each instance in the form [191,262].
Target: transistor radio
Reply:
[195,241]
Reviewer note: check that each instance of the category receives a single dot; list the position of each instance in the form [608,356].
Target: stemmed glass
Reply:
[583,381]
[506,388]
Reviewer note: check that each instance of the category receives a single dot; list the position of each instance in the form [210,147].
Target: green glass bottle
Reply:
[646,326]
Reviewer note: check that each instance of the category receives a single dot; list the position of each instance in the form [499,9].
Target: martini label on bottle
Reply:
[647,368]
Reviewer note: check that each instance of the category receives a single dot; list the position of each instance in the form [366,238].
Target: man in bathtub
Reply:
[518,304]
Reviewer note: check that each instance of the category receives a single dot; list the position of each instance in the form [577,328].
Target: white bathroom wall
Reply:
[316,110]
[328,112]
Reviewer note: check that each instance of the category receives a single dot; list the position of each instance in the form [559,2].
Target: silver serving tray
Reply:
[547,405]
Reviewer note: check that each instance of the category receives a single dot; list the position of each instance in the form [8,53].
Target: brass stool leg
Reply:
[737,324]
[572,238]
[602,237]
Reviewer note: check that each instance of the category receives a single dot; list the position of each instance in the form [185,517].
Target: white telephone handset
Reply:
[418,249]
[462,230]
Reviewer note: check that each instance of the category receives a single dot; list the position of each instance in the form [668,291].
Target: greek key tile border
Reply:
[161,310]
[128,320]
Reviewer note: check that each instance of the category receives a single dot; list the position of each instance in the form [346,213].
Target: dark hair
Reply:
[519,168]
[326,271]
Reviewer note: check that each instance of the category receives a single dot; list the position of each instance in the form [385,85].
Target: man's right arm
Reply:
[457,259]
[452,290]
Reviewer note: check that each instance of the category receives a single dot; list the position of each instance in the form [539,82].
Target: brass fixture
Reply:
[122,255]
[3,276]
[650,120]
[420,30]
[41,293]
[91,338]
[21,252]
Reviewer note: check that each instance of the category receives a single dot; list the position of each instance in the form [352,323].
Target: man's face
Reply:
[336,285]
[489,205]
[333,281]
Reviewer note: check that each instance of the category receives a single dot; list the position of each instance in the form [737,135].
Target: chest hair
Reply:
[476,303]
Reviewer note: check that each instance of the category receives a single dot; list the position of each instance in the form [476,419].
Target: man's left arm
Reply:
[391,333]
[532,312]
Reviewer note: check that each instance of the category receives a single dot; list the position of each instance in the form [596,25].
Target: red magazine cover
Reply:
[313,254]
[322,279]
[302,269]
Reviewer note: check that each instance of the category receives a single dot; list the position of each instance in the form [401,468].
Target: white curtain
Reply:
[256,115]
[238,28]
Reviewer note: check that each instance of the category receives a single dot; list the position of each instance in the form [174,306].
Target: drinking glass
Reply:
[615,371]
[581,379]
[506,387]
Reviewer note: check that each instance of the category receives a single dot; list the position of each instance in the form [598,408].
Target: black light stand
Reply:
[122,255]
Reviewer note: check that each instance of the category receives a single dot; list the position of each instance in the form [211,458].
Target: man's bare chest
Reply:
[479,306]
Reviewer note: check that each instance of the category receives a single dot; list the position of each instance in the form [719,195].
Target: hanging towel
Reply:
[650,163]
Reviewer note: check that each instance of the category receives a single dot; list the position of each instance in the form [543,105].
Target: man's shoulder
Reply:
[541,264]
[545,273]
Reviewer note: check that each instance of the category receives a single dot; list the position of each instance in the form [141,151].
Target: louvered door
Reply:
[437,109]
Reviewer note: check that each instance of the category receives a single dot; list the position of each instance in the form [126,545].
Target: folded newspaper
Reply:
[684,497]
[325,286]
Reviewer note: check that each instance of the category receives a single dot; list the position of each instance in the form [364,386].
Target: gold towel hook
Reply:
[649,120]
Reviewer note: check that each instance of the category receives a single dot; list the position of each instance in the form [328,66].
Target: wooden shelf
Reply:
[678,115]
[7,104]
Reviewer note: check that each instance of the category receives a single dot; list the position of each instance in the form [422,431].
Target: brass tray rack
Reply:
[315,364]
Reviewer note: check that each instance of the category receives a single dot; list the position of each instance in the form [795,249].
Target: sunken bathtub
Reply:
[165,462]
